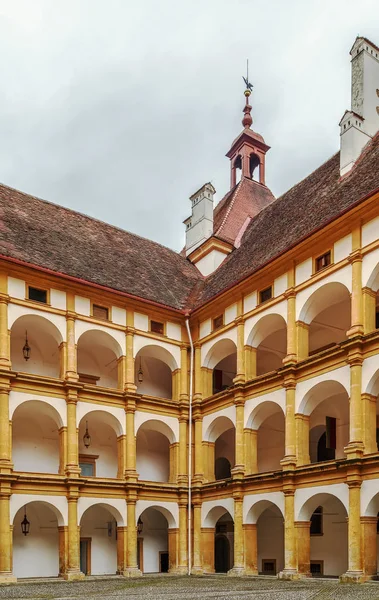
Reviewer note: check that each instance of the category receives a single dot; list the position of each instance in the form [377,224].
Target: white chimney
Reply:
[199,226]
[361,123]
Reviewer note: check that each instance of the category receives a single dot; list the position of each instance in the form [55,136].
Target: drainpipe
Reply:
[190,449]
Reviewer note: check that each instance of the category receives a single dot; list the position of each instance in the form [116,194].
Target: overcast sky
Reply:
[122,109]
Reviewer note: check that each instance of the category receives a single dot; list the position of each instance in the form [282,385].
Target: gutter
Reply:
[190,447]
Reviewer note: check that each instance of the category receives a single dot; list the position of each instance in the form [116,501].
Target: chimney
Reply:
[199,226]
[361,123]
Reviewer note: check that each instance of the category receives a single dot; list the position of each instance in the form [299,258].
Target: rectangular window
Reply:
[157,327]
[265,295]
[323,261]
[317,568]
[218,322]
[331,432]
[377,319]
[316,522]
[100,312]
[87,465]
[269,566]
[37,295]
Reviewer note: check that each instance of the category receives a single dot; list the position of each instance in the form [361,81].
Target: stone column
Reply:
[122,550]
[240,324]
[369,535]
[62,450]
[5,428]
[197,568]
[303,536]
[355,566]
[302,439]
[198,430]
[290,558]
[121,456]
[5,359]
[355,258]
[130,384]
[302,340]
[250,362]
[130,472]
[183,559]
[132,569]
[290,295]
[6,575]
[182,472]
[73,563]
[251,548]
[71,358]
[355,447]
[239,450]
[369,310]
[289,460]
[198,374]
[369,423]
[184,373]
[208,548]
[173,534]
[72,466]
[239,561]
[63,549]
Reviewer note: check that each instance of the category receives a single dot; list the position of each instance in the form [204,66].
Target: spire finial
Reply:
[247,119]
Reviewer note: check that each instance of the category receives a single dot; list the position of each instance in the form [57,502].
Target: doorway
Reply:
[163,562]
[85,555]
[222,553]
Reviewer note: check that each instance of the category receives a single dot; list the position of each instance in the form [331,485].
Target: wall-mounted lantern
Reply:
[26,349]
[140,372]
[87,437]
[25,525]
[139,526]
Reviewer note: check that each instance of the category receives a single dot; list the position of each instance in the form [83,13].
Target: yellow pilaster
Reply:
[289,460]
[240,323]
[183,373]
[183,561]
[303,537]
[132,569]
[198,430]
[302,340]
[131,472]
[173,534]
[369,310]
[176,385]
[290,295]
[182,472]
[6,575]
[302,439]
[355,447]
[355,566]
[239,559]
[208,549]
[62,450]
[72,466]
[250,362]
[251,549]
[239,453]
[290,546]
[73,560]
[197,567]
[5,429]
[355,258]
[5,359]
[368,528]
[207,382]
[130,384]
[198,373]
[122,550]
[121,456]
[121,372]
[369,423]
[71,358]
[63,549]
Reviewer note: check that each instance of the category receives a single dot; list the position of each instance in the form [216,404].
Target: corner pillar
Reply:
[354,573]
[369,423]
[208,548]
[71,349]
[239,562]
[132,569]
[239,450]
[251,549]
[369,310]
[302,439]
[290,294]
[289,460]
[73,563]
[290,557]
[6,465]
[355,258]
[130,472]
[72,465]
[6,554]
[5,358]
[302,340]
[369,536]
[122,550]
[197,568]
[355,447]
[303,536]
[240,323]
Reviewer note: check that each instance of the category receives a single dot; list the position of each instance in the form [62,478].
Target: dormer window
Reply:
[37,295]
[217,322]
[323,261]
[100,312]
[157,327]
[265,295]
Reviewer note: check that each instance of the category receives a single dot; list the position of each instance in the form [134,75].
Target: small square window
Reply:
[100,312]
[37,295]
[317,568]
[265,295]
[269,566]
[323,261]
[218,322]
[157,327]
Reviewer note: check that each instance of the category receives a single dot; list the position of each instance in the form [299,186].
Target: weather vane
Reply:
[249,86]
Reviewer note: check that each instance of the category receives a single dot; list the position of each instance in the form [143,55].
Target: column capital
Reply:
[290,293]
[355,256]
[4,298]
[129,330]
[240,320]
[239,399]
[355,356]
[289,381]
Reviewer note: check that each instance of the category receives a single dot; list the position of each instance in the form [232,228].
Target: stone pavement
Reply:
[185,588]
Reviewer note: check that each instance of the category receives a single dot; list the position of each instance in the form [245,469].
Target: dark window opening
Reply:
[254,166]
[323,261]
[100,312]
[265,295]
[163,562]
[317,522]
[37,295]
[157,327]
[317,568]
[218,385]
[218,322]
[268,567]
[323,452]
[222,468]
[377,319]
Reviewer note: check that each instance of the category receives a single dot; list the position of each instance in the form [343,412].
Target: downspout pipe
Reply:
[190,448]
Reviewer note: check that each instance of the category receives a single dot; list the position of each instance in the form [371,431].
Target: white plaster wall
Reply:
[118,316]
[270,537]
[271,440]
[342,248]
[35,443]
[332,546]
[59,404]
[115,506]
[229,412]
[58,299]
[341,375]
[103,445]
[278,396]
[303,271]
[171,422]
[37,554]
[174,331]
[278,309]
[230,314]
[173,349]
[82,305]
[210,262]
[230,335]
[153,459]
[155,539]
[342,276]
[251,500]
[302,495]
[83,408]
[280,285]
[94,524]
[118,336]
[223,504]
[370,263]
[141,322]
[370,232]
[205,328]
[15,311]
[16,288]
[250,302]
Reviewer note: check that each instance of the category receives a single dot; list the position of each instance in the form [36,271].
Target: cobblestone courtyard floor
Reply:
[185,588]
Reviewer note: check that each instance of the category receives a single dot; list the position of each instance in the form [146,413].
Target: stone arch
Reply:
[98,354]
[261,412]
[214,514]
[307,502]
[116,507]
[220,350]
[258,508]
[160,426]
[171,519]
[320,392]
[107,417]
[44,405]
[19,501]
[154,368]
[217,427]
[264,327]
[373,384]
[159,353]
[373,280]
[323,297]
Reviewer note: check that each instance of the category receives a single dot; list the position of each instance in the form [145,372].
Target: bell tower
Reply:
[248,151]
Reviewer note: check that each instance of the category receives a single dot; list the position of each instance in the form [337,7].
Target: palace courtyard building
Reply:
[214,410]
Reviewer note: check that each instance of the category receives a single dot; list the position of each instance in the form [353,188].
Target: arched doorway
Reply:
[98,540]
[155,451]
[219,449]
[153,547]
[224,544]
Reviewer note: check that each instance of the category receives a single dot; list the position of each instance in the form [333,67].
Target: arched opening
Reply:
[328,314]
[153,371]
[327,520]
[238,168]
[36,430]
[155,451]
[254,167]
[37,553]
[154,554]
[98,354]
[270,540]
[219,451]
[268,339]
[224,544]
[98,540]
[267,443]
[102,458]
[221,362]
[372,288]
[327,405]
[43,340]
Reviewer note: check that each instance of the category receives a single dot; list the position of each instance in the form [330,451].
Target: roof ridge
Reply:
[234,196]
